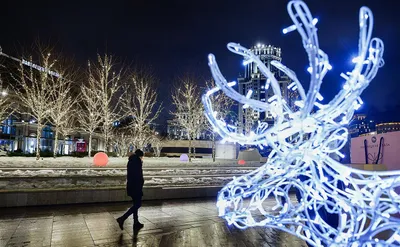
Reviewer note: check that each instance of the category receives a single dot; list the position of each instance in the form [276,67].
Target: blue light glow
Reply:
[360,204]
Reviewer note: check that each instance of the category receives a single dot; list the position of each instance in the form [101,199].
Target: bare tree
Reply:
[70,126]
[157,143]
[251,118]
[34,88]
[222,106]
[123,139]
[89,113]
[188,109]
[107,85]
[63,103]
[140,103]
[5,102]
[140,141]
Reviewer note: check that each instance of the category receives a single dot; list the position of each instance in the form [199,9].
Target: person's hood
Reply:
[134,157]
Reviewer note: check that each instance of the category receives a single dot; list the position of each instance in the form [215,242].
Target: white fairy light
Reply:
[249,93]
[246,62]
[306,164]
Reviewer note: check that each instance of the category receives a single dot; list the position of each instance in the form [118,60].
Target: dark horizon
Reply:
[175,37]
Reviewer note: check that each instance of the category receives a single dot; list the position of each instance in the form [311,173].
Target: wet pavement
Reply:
[167,223]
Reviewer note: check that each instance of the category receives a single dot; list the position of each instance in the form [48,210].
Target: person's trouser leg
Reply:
[125,216]
[137,203]
[128,213]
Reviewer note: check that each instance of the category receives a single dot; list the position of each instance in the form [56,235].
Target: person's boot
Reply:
[120,221]
[136,223]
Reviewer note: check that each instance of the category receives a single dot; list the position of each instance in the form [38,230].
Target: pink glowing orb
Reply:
[184,158]
[100,159]
[242,162]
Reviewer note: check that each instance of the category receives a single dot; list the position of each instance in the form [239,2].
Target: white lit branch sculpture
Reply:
[337,205]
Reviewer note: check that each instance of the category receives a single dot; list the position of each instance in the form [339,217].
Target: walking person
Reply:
[134,188]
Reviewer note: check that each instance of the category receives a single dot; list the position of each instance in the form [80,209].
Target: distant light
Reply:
[309,69]
[4,93]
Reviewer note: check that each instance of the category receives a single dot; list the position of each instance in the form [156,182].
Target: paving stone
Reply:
[172,223]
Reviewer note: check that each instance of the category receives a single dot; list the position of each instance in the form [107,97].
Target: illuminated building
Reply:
[387,127]
[255,83]
[361,125]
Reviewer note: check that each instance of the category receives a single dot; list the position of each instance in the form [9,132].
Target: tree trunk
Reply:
[159,151]
[105,141]
[154,149]
[38,137]
[90,144]
[64,145]
[126,150]
[122,149]
[106,133]
[55,149]
[194,149]
[190,148]
[142,144]
[213,146]
[118,149]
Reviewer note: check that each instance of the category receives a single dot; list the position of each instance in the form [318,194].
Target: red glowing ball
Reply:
[242,162]
[100,159]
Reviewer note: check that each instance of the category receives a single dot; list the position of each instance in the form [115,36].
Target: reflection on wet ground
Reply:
[167,223]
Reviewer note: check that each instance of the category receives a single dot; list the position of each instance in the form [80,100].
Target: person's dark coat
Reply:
[135,180]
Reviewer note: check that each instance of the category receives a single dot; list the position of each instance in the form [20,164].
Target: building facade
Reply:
[20,135]
[387,127]
[255,82]
[361,125]
[176,132]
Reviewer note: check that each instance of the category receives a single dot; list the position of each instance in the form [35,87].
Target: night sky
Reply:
[175,37]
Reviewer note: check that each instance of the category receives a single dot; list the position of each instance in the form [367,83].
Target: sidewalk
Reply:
[167,223]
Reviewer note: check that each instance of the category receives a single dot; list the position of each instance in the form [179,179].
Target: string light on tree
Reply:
[303,145]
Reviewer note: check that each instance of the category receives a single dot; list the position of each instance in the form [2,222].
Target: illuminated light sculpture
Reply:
[100,159]
[184,158]
[361,204]
[242,162]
